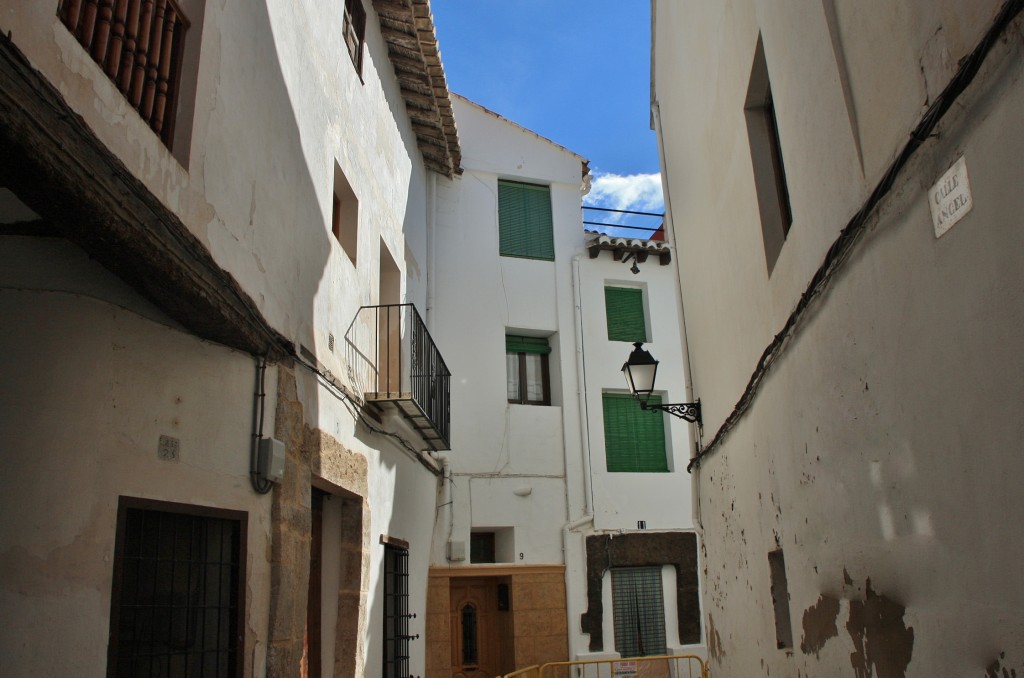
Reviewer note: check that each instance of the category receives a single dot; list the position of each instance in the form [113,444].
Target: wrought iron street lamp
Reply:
[640,370]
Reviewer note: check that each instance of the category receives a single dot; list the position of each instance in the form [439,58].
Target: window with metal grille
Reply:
[524,221]
[634,439]
[639,610]
[624,311]
[178,591]
[396,612]
[354,29]
[526,367]
[139,45]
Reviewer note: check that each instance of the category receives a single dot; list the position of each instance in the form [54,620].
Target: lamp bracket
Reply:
[688,411]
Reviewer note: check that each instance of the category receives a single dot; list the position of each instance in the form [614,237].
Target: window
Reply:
[178,591]
[634,439]
[780,600]
[139,45]
[638,609]
[526,361]
[354,28]
[524,221]
[345,215]
[396,611]
[766,157]
[624,310]
[481,547]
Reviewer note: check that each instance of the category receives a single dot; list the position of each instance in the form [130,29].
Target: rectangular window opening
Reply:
[634,438]
[625,315]
[354,30]
[525,226]
[345,215]
[638,609]
[140,45]
[481,547]
[396,611]
[766,157]
[780,600]
[526,365]
[178,590]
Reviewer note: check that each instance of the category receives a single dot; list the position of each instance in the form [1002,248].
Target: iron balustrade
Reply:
[408,370]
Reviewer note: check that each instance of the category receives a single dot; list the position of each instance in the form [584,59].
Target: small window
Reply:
[178,591]
[524,221]
[345,215]
[526,361]
[481,547]
[638,608]
[624,310]
[354,28]
[780,600]
[396,611]
[470,650]
[766,157]
[140,46]
[634,439]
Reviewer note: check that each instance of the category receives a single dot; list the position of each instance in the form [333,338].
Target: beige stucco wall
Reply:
[880,451]
[93,376]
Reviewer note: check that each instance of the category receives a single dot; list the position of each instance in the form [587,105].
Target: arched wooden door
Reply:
[481,632]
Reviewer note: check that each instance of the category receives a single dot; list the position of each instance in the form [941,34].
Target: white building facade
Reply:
[207,212]
[533,520]
[841,181]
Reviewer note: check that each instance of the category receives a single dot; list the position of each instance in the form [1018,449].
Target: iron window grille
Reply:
[396,612]
[178,591]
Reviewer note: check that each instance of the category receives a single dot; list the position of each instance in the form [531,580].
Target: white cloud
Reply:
[639,192]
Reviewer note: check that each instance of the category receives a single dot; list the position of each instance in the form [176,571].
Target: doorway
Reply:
[481,624]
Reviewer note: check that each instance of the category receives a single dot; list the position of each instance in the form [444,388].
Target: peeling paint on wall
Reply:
[997,670]
[715,649]
[881,638]
[819,624]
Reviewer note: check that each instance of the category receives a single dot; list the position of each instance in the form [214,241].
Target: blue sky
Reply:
[574,71]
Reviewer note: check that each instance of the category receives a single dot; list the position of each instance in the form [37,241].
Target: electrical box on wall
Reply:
[271,459]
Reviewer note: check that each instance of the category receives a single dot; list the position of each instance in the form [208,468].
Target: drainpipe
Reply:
[670,234]
[446,494]
[581,394]
[431,225]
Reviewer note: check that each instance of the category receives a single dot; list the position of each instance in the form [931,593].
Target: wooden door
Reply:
[481,642]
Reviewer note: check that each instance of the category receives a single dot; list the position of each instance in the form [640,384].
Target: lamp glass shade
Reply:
[640,371]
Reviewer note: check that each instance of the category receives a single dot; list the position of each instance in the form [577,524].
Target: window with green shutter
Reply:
[524,221]
[634,439]
[526,363]
[624,309]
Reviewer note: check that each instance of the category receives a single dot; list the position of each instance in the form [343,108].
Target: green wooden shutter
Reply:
[515,344]
[634,439]
[624,308]
[524,221]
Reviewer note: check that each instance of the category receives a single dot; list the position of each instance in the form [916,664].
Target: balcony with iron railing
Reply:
[395,362]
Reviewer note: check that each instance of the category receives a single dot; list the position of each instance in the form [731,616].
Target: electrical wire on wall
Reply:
[844,244]
[260,484]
